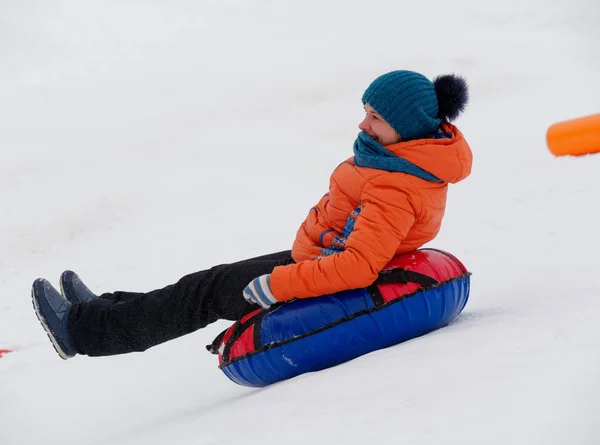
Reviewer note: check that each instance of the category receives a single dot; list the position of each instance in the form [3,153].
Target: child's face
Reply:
[376,127]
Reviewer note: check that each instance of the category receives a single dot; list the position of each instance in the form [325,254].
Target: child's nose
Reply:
[364,126]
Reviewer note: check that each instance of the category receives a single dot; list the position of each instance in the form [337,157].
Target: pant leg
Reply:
[125,322]
[283,256]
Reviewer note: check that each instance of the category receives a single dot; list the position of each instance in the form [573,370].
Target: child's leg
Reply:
[126,322]
[285,257]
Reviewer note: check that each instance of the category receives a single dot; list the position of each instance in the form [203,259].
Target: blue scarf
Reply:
[369,153]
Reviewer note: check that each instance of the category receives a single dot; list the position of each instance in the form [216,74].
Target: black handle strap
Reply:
[400,276]
[213,348]
[238,330]
[405,276]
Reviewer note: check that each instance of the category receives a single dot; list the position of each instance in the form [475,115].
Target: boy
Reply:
[388,199]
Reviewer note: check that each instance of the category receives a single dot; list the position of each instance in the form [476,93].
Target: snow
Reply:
[140,141]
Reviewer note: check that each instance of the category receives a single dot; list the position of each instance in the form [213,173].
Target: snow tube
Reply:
[416,293]
[575,137]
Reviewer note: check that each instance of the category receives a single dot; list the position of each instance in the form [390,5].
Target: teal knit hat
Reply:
[407,101]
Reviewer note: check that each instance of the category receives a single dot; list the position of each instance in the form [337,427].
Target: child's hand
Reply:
[259,292]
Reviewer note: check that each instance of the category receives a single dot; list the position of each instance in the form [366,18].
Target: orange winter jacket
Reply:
[371,215]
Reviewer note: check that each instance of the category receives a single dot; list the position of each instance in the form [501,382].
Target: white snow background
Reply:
[144,140]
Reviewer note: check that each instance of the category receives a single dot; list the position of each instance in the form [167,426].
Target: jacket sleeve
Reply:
[387,214]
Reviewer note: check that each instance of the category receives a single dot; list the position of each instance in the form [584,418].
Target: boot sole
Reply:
[49,333]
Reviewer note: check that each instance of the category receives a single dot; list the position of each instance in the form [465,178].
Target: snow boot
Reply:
[73,288]
[52,309]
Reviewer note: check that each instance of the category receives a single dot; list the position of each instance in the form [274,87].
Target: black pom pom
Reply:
[452,94]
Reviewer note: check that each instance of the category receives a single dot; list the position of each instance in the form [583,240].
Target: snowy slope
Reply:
[140,141]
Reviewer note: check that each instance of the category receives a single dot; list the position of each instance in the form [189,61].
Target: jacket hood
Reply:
[449,159]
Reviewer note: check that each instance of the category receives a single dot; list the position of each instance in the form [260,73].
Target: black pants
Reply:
[123,322]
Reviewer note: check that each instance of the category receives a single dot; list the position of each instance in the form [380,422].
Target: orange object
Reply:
[575,137]
[4,351]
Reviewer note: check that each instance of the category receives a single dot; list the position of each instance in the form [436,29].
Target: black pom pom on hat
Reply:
[452,94]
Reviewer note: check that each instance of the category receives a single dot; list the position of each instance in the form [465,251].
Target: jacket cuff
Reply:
[281,284]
